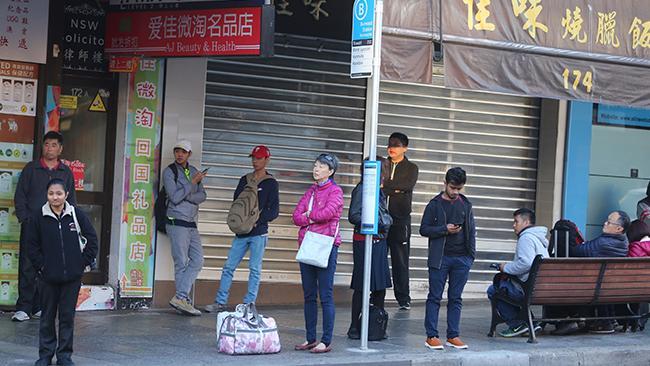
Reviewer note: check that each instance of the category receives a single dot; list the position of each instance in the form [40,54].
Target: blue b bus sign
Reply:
[363,28]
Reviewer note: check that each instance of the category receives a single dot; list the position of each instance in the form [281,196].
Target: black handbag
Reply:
[385,219]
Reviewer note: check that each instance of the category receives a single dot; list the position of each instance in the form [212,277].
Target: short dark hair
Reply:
[330,160]
[638,229]
[56,181]
[526,214]
[456,176]
[401,137]
[623,220]
[53,135]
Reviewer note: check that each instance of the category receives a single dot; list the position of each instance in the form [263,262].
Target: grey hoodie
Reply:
[184,197]
[531,243]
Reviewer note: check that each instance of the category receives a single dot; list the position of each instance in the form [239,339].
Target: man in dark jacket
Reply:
[255,241]
[30,196]
[398,188]
[611,243]
[448,222]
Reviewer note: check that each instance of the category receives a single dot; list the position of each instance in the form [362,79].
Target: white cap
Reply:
[183,144]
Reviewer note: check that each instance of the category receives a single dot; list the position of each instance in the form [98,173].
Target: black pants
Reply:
[399,244]
[376,299]
[28,299]
[61,299]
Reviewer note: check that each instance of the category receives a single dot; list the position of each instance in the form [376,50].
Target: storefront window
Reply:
[83,124]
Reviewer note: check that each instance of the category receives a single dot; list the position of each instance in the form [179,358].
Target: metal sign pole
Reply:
[372,106]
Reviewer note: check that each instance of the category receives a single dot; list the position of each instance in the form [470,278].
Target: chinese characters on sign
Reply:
[18,86]
[23,30]
[83,38]
[598,27]
[316,8]
[142,152]
[187,32]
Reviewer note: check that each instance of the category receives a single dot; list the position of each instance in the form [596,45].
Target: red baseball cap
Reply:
[260,152]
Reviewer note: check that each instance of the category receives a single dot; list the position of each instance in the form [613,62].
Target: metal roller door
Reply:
[494,137]
[299,103]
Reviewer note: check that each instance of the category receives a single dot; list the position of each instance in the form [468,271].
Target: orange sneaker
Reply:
[456,343]
[433,343]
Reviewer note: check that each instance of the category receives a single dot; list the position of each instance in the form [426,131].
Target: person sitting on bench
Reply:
[611,243]
[531,242]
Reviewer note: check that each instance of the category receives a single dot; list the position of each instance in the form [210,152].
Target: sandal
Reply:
[319,349]
[305,346]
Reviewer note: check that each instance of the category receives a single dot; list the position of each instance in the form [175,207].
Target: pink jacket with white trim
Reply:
[325,213]
[639,249]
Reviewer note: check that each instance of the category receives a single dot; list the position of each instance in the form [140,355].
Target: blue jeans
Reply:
[457,270]
[508,311]
[319,281]
[187,253]
[256,244]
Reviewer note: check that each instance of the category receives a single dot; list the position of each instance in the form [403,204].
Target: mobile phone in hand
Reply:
[205,170]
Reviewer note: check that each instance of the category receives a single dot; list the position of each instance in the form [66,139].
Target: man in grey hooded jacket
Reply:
[531,242]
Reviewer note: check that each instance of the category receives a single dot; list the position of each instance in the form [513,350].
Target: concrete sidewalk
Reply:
[161,337]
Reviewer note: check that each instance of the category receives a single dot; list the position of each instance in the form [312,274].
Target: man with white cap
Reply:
[255,239]
[185,192]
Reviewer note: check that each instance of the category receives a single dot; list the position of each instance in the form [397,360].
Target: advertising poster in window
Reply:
[18,85]
[24,30]
[16,149]
[142,150]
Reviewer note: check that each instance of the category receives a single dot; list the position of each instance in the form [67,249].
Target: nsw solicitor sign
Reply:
[363,28]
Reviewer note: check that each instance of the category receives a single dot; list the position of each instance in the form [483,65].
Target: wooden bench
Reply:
[578,282]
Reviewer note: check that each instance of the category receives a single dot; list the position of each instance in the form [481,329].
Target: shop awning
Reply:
[596,50]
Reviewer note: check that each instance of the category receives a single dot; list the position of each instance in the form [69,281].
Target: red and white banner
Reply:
[186,32]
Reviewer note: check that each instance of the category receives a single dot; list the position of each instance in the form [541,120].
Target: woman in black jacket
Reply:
[379,270]
[55,249]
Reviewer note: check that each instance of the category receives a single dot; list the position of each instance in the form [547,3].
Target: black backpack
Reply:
[160,207]
[377,323]
[563,230]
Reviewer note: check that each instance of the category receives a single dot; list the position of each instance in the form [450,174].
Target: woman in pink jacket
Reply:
[323,218]
[639,237]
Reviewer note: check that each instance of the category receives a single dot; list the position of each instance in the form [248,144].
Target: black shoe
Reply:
[566,328]
[405,306]
[43,362]
[604,327]
[67,361]
[353,333]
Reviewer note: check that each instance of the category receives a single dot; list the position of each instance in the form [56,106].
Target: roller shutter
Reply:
[299,103]
[494,137]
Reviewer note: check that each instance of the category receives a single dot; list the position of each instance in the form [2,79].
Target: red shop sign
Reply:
[122,63]
[188,32]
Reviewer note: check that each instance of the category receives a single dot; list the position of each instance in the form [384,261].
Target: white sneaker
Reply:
[20,316]
[36,315]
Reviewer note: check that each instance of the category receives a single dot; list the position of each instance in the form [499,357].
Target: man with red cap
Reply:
[254,240]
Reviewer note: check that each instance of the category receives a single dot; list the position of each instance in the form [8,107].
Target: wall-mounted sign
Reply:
[83,38]
[122,63]
[23,30]
[542,40]
[234,31]
[18,88]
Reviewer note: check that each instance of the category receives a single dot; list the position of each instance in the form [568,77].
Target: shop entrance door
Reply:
[88,127]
